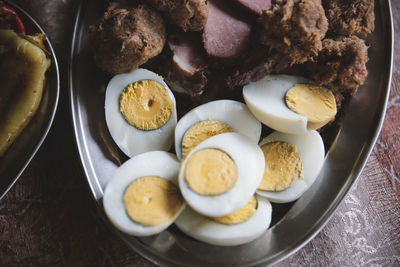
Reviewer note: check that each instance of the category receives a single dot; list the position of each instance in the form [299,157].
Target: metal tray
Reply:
[24,148]
[298,223]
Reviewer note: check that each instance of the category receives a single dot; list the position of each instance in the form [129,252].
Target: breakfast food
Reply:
[140,112]
[266,100]
[229,166]
[350,17]
[226,176]
[294,28]
[23,66]
[190,15]
[143,197]
[212,231]
[213,118]
[126,38]
[310,148]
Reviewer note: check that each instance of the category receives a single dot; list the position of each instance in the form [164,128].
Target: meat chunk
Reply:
[190,15]
[124,39]
[294,28]
[255,6]
[226,33]
[349,17]
[187,71]
[341,64]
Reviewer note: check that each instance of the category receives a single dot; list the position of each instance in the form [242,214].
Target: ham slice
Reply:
[186,73]
[255,6]
[226,32]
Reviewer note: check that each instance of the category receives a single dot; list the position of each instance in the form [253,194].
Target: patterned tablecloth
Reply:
[49,217]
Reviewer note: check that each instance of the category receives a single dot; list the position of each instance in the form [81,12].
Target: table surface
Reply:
[50,218]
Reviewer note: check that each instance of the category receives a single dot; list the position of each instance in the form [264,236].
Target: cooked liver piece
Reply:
[294,28]
[349,17]
[226,33]
[255,6]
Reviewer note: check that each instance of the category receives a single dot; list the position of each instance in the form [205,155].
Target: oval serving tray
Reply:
[24,148]
[300,221]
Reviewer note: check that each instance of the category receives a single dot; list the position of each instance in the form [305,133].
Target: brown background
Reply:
[49,217]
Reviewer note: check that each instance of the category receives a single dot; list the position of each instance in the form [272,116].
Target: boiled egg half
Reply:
[216,117]
[290,104]
[140,112]
[220,175]
[292,163]
[143,196]
[240,227]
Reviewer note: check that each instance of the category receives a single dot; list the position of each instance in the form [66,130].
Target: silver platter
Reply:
[294,224]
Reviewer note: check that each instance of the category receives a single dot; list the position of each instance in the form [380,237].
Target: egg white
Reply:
[312,153]
[154,163]
[233,113]
[212,232]
[266,100]
[130,140]
[250,163]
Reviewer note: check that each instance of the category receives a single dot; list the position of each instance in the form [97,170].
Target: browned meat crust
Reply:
[341,64]
[349,17]
[190,15]
[294,28]
[126,38]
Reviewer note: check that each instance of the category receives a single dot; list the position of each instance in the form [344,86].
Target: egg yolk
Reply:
[314,102]
[210,172]
[240,215]
[282,166]
[152,200]
[200,132]
[145,105]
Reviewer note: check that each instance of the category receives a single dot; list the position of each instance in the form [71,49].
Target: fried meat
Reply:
[294,28]
[341,64]
[347,17]
[126,38]
[190,15]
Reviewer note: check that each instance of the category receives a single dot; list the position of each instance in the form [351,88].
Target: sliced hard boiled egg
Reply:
[295,177]
[290,104]
[140,112]
[219,233]
[216,117]
[220,175]
[143,196]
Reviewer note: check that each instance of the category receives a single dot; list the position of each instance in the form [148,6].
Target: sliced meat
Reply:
[124,39]
[341,64]
[226,32]
[255,6]
[186,73]
[187,55]
[349,17]
[189,15]
[294,28]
